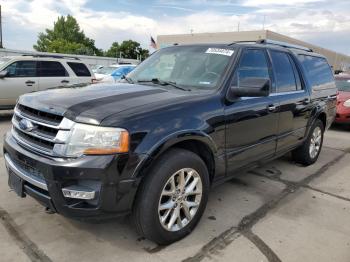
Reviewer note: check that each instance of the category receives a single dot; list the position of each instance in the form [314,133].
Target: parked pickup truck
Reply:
[186,119]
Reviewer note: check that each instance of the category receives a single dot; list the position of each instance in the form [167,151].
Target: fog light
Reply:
[79,192]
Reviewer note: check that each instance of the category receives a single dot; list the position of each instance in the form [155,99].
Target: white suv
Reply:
[25,74]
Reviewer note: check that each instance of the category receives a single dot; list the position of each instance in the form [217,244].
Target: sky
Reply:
[321,22]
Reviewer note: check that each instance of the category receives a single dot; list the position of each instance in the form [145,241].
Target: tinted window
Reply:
[318,71]
[284,72]
[22,69]
[51,69]
[79,69]
[253,64]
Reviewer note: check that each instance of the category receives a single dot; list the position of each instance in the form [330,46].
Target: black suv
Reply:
[187,118]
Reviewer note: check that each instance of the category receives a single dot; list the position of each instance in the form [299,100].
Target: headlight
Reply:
[93,140]
[347,103]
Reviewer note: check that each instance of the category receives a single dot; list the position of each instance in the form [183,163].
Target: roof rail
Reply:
[52,56]
[243,41]
[283,44]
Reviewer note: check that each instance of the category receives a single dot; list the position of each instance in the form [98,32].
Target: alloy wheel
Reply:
[315,144]
[180,199]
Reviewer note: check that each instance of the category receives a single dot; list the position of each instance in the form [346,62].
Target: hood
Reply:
[92,103]
[343,96]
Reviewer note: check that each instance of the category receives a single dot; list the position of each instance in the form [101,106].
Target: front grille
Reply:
[44,130]
[35,141]
[40,115]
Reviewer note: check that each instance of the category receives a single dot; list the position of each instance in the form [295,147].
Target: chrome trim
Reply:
[65,123]
[275,94]
[28,144]
[24,175]
[31,133]
[288,93]
[60,138]
[19,113]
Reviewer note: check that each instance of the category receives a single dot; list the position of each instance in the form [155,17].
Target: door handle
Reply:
[64,81]
[331,97]
[29,82]
[305,101]
[271,108]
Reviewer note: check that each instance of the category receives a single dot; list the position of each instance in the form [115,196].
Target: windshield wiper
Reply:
[127,79]
[163,83]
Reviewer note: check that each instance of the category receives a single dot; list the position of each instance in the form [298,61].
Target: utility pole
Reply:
[264,22]
[0,29]
[238,26]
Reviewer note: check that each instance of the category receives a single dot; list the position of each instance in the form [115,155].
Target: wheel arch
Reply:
[196,142]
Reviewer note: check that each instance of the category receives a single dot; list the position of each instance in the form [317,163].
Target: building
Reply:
[337,60]
[90,60]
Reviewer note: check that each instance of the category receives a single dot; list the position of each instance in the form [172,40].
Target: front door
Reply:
[251,123]
[21,78]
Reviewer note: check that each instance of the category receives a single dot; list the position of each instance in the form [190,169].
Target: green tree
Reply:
[66,37]
[113,51]
[127,49]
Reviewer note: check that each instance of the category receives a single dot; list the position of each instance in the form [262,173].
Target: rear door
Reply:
[322,85]
[21,79]
[52,74]
[81,71]
[251,122]
[293,98]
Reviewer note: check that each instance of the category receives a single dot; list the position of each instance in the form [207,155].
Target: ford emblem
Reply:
[26,125]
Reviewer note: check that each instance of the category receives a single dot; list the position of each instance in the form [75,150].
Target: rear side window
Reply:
[79,69]
[318,70]
[51,69]
[253,64]
[22,69]
[284,72]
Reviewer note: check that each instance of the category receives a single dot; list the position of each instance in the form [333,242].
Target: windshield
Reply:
[343,85]
[106,70]
[195,66]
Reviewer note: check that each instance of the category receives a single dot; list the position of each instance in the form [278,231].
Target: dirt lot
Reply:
[279,212]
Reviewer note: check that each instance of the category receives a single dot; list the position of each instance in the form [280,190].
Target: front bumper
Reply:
[111,176]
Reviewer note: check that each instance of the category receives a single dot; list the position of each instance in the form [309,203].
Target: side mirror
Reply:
[3,73]
[250,87]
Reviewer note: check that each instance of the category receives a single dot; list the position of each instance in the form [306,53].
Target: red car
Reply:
[343,97]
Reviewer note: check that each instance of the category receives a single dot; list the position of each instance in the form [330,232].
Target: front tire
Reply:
[172,198]
[308,152]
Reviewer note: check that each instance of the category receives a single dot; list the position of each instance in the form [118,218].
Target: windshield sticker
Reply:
[220,51]
[204,83]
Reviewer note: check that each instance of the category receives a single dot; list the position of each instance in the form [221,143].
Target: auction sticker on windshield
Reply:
[219,51]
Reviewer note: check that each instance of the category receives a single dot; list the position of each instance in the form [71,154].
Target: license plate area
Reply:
[16,183]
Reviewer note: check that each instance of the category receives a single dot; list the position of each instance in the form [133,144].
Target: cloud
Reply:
[256,3]
[307,20]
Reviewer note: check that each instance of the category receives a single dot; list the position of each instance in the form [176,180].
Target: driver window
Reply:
[253,64]
[22,69]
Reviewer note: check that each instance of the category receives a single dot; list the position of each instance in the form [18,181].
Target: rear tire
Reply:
[308,152]
[167,207]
